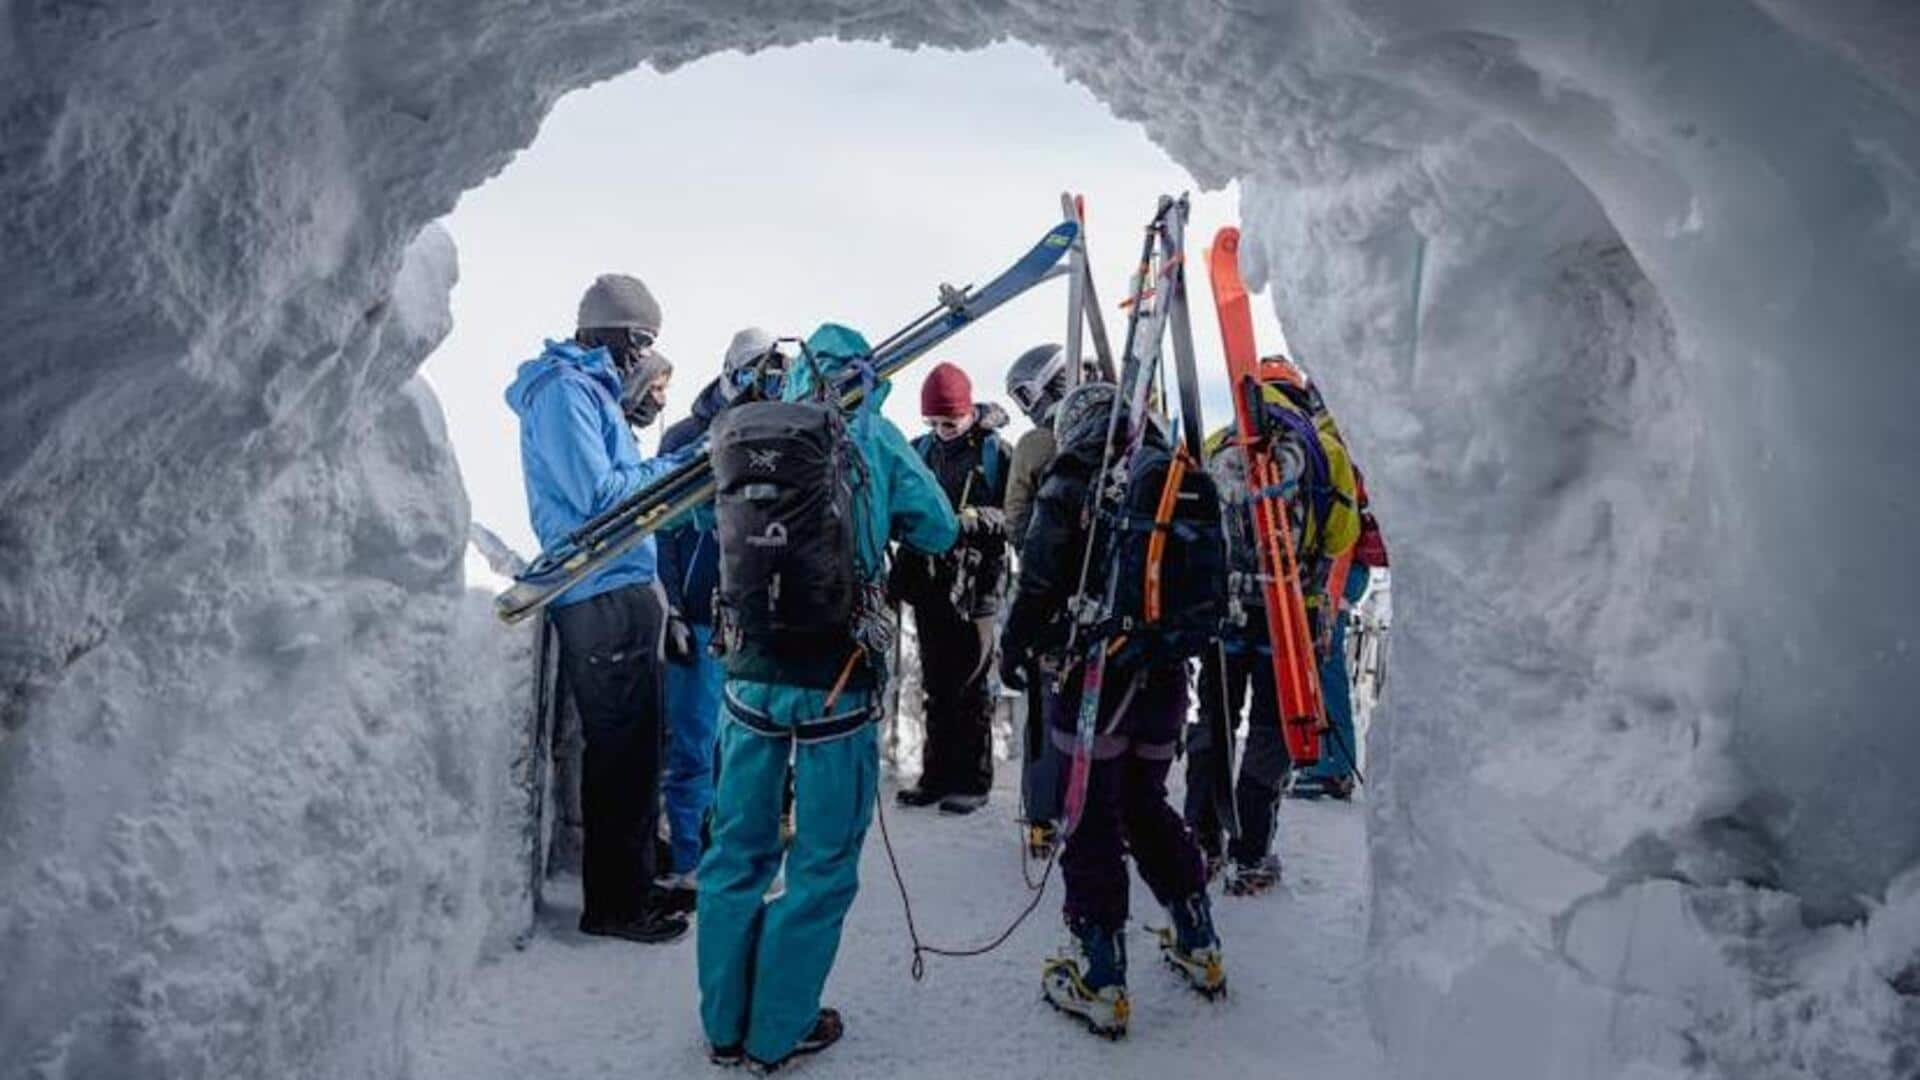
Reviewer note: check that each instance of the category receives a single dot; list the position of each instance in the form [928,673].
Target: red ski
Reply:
[1295,670]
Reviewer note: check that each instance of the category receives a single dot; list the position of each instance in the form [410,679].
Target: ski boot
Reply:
[1042,837]
[1089,979]
[1191,947]
[1252,879]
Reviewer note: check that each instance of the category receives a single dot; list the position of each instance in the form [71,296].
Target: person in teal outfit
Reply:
[763,963]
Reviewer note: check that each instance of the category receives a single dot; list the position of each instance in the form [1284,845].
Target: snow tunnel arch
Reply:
[1614,296]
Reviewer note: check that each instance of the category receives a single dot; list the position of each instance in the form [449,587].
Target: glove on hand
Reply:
[679,640]
[1013,671]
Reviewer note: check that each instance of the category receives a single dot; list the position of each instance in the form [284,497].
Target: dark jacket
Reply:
[972,471]
[690,556]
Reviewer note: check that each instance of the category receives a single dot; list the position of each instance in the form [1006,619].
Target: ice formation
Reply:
[1618,301]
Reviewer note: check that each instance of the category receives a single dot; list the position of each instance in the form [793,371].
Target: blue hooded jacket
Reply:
[902,501]
[690,554]
[579,456]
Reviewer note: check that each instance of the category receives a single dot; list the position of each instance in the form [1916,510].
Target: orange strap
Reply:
[846,672]
[1157,543]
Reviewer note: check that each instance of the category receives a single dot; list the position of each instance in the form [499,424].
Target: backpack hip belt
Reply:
[825,729]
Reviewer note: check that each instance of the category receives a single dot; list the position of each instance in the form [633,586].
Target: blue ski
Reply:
[689,485]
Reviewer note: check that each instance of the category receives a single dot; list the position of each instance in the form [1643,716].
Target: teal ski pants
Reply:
[763,963]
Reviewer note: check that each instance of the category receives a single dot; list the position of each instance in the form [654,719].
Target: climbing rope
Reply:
[921,950]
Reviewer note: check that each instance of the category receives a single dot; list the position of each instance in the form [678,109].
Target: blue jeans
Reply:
[1337,688]
[764,963]
[693,712]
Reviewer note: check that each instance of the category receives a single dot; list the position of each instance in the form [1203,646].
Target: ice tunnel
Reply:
[1619,301]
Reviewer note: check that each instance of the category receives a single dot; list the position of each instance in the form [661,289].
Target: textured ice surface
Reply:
[1617,302]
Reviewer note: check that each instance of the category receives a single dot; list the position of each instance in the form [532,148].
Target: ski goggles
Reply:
[1029,396]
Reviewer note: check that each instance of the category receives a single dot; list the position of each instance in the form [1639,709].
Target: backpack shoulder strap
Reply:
[993,461]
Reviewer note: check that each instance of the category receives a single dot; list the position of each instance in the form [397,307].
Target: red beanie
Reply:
[947,392]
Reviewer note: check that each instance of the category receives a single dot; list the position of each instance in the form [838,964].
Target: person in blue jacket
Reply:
[764,962]
[690,570]
[579,458]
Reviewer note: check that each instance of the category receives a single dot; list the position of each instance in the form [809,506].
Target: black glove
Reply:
[679,640]
[1014,670]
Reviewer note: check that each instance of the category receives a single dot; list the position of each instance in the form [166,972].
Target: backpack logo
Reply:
[764,461]
[774,536]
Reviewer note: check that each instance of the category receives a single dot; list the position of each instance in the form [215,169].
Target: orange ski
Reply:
[1295,668]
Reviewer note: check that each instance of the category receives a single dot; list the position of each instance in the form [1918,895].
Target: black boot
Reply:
[655,926]
[917,796]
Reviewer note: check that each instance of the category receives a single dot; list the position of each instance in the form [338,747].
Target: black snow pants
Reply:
[610,651]
[1263,767]
[956,655]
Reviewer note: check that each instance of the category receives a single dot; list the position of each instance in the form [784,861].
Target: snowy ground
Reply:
[573,1008]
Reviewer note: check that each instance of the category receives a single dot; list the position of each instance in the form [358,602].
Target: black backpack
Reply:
[784,475]
[1180,614]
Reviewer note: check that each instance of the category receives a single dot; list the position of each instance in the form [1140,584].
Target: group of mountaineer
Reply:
[733,666]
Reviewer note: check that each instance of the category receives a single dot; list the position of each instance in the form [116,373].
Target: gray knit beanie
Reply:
[619,301]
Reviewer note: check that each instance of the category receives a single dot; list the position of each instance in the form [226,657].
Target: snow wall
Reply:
[1617,301]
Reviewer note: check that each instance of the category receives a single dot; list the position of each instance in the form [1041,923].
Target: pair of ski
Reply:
[1157,303]
[688,486]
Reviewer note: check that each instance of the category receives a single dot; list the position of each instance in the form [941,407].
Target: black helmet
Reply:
[1037,381]
[1083,416]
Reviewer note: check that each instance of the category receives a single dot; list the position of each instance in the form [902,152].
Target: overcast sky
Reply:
[826,182]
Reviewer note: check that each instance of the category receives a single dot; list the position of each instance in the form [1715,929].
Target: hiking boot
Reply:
[727,1056]
[917,796]
[1307,787]
[678,893]
[1088,979]
[1252,879]
[826,1031]
[654,926]
[1191,947]
[961,805]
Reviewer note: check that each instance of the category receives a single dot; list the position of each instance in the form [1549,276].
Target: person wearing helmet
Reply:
[690,571]
[956,595]
[764,961]
[1036,382]
[1314,464]
[576,403]
[1142,705]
